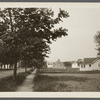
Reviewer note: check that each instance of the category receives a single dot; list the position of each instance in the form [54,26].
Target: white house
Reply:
[90,64]
[58,64]
[77,64]
[49,64]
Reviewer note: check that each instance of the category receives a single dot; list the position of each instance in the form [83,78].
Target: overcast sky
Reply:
[82,26]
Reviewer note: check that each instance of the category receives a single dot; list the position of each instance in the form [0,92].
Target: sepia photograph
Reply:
[50,48]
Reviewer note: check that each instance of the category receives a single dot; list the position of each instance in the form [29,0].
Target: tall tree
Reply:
[27,32]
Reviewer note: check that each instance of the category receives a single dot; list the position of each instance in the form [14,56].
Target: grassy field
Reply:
[47,83]
[67,82]
[7,84]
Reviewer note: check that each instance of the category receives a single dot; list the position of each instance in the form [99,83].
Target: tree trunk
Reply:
[4,66]
[1,66]
[11,66]
[25,69]
[15,71]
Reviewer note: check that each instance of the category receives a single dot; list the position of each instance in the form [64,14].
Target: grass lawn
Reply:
[47,83]
[60,80]
[7,84]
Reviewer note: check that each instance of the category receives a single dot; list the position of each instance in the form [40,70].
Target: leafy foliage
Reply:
[67,64]
[27,32]
[97,40]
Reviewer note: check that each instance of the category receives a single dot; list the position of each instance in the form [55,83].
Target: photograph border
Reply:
[45,95]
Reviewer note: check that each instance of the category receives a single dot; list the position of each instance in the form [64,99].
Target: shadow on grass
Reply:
[7,84]
[47,83]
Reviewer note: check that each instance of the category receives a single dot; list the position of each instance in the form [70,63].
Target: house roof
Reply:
[89,60]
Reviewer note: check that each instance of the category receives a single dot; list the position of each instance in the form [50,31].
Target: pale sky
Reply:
[82,25]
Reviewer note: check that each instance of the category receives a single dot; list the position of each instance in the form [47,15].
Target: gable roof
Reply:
[89,60]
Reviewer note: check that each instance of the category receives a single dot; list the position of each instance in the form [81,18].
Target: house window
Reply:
[81,66]
[89,65]
[98,65]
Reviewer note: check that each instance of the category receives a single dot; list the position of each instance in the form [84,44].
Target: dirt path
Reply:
[27,85]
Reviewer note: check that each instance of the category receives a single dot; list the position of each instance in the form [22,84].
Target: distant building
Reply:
[49,64]
[90,64]
[87,64]
[58,64]
[77,64]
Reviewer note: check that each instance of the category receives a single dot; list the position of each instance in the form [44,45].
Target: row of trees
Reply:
[25,34]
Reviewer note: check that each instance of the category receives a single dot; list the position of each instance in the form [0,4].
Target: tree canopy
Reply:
[27,32]
[97,40]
